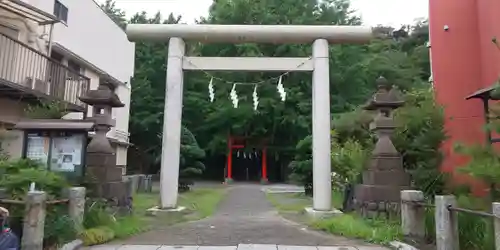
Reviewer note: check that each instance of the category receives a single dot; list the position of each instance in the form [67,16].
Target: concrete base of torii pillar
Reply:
[320,36]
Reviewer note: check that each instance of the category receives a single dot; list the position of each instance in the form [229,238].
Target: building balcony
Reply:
[27,74]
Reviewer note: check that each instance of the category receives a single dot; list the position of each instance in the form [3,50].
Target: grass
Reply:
[351,225]
[200,203]
[289,202]
[474,232]
[348,225]
[296,202]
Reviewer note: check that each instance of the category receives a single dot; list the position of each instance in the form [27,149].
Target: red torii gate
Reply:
[239,142]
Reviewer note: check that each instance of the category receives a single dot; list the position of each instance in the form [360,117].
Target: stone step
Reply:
[239,247]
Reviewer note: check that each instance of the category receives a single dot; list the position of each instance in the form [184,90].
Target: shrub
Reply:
[301,166]
[47,110]
[418,137]
[59,227]
[98,235]
[17,175]
[97,214]
[348,161]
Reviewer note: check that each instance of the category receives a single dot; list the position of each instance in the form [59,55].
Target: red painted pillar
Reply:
[264,165]
[464,60]
[229,177]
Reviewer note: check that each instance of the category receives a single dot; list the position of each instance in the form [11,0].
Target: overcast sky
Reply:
[387,12]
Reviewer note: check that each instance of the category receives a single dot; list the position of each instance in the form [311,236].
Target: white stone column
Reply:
[171,140]
[496,223]
[322,186]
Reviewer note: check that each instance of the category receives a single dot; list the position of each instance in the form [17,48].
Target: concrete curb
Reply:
[402,246]
[74,245]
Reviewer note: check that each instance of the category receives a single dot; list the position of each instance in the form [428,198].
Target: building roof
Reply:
[105,77]
[28,11]
[484,94]
[54,124]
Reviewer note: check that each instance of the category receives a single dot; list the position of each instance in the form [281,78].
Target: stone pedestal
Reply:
[319,215]
[157,211]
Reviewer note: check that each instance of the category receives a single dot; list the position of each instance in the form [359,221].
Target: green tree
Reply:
[353,69]
[116,14]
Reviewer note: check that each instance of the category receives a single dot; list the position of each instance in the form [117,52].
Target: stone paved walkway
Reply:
[244,217]
[239,247]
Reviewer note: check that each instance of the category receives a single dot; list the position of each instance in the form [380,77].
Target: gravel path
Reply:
[244,217]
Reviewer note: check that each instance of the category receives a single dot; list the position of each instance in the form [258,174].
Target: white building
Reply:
[57,49]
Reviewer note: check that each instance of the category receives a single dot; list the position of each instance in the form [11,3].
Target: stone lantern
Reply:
[384,177]
[102,174]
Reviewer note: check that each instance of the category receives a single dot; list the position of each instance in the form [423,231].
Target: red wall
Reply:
[464,60]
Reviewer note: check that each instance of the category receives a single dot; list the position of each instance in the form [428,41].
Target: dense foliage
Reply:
[15,179]
[418,136]
[353,70]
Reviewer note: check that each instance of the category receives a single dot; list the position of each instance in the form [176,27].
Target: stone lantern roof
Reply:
[103,95]
[386,96]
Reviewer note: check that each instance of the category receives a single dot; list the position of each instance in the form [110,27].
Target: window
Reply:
[74,66]
[60,11]
[57,56]
[75,72]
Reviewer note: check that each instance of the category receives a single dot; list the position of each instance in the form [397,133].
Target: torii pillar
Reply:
[319,36]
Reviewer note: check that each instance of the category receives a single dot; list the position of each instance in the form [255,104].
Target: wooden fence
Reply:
[446,218]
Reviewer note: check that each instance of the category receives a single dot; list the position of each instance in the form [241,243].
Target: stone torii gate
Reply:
[319,36]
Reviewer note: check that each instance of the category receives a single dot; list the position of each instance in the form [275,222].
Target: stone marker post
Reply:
[446,223]
[34,221]
[76,206]
[496,221]
[412,215]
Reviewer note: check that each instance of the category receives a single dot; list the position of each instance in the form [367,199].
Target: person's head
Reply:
[4,212]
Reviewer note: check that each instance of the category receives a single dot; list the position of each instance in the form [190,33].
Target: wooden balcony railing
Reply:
[33,73]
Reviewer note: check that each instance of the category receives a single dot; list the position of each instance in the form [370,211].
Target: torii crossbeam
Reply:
[319,36]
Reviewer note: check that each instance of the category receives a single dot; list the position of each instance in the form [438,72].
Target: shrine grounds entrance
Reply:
[318,63]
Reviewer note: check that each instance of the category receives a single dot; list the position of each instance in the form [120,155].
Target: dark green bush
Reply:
[97,235]
[97,213]
[301,166]
[59,227]
[16,177]
[418,137]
